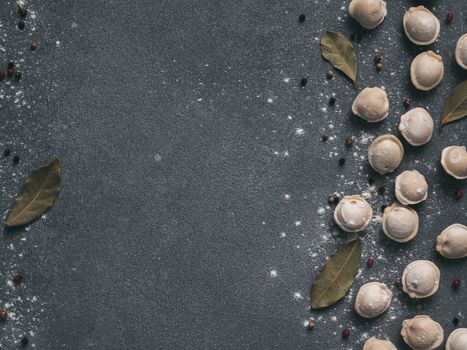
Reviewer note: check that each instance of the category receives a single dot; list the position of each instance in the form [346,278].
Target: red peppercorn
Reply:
[17,278]
[345,333]
[449,17]
[3,314]
[459,194]
[456,284]
[377,58]
[370,262]
[2,75]
[407,103]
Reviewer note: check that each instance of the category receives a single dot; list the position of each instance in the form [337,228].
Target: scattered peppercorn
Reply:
[349,141]
[22,9]
[370,262]
[325,137]
[33,45]
[2,75]
[333,199]
[21,25]
[303,82]
[377,58]
[15,160]
[17,278]
[456,284]
[302,18]
[341,161]
[398,282]
[345,333]
[371,181]
[24,341]
[18,75]
[10,71]
[310,324]
[455,321]
[379,67]
[449,17]
[6,152]
[459,194]
[407,103]
[381,190]
[3,315]
[332,101]
[329,74]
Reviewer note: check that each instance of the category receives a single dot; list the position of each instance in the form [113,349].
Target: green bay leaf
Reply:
[38,194]
[339,51]
[337,275]
[456,105]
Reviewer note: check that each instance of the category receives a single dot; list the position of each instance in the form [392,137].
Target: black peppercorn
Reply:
[398,282]
[383,207]
[18,75]
[303,82]
[371,181]
[10,71]
[455,321]
[349,141]
[329,74]
[381,190]
[21,25]
[24,341]
[341,161]
[15,160]
[11,65]
[302,18]
[325,137]
[352,37]
[332,101]
[6,152]
[333,199]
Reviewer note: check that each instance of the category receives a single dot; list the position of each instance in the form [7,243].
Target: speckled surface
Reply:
[194,206]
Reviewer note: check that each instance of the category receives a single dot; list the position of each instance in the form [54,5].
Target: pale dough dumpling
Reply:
[427,70]
[452,242]
[461,51]
[369,13]
[372,299]
[454,161]
[385,154]
[371,104]
[416,126]
[353,213]
[422,333]
[457,340]
[420,25]
[420,279]
[400,223]
[378,344]
[411,187]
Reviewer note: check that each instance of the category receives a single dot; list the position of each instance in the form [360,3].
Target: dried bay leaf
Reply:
[339,51]
[456,105]
[337,275]
[38,194]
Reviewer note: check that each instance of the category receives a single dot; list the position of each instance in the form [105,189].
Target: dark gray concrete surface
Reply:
[193,211]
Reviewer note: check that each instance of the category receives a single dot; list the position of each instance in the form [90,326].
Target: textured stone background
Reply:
[193,213]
